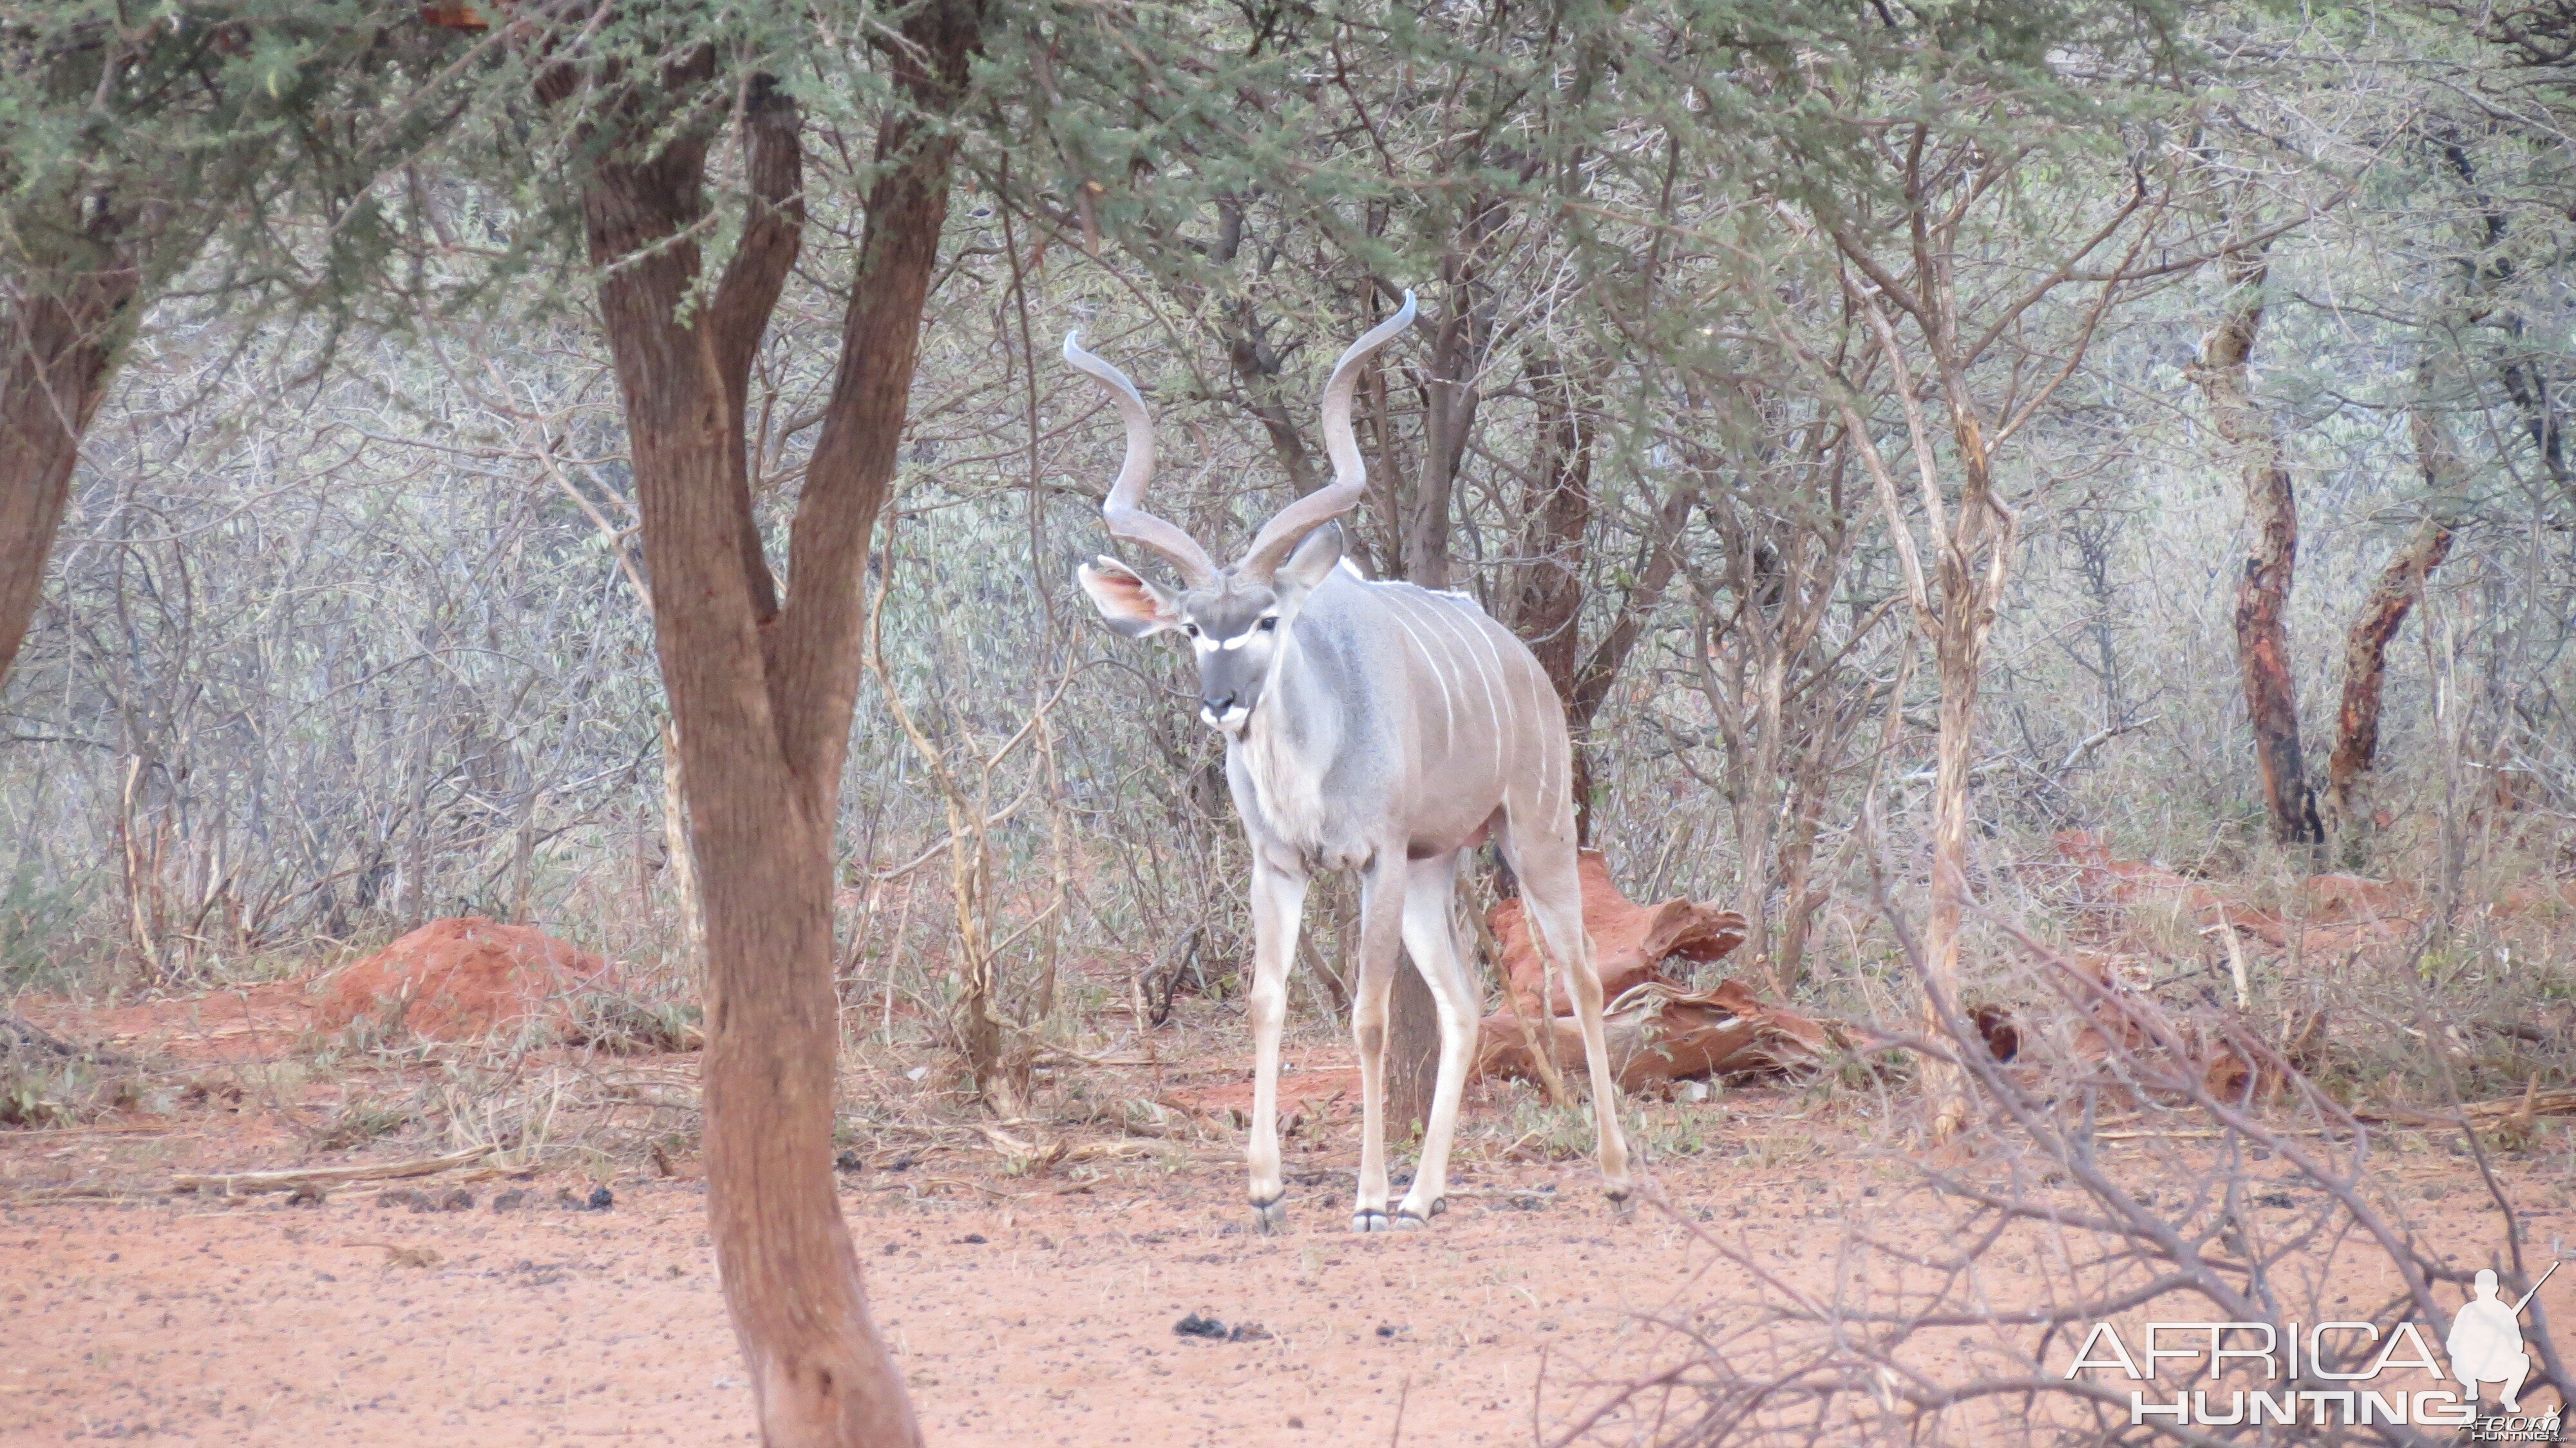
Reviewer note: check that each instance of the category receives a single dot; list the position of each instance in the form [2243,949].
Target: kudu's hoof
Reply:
[1271,1217]
[1368,1221]
[1408,1219]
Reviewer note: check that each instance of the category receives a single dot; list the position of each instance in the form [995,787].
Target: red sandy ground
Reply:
[180,1321]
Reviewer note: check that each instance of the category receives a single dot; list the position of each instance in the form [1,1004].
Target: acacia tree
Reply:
[1911,164]
[762,680]
[250,130]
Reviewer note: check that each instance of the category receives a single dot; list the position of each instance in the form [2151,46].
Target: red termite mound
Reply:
[452,980]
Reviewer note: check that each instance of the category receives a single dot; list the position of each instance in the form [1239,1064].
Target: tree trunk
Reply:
[1656,560]
[1412,1041]
[1985,533]
[1451,397]
[2365,652]
[2263,595]
[62,333]
[1412,1017]
[1959,651]
[1543,599]
[762,695]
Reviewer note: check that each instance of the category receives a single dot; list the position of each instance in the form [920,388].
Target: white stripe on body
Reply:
[1433,658]
[1500,697]
[1415,601]
[1548,753]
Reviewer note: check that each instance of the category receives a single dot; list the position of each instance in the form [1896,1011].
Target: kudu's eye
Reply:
[1270,623]
[1191,629]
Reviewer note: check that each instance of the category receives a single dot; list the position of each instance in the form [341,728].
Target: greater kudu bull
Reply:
[1370,726]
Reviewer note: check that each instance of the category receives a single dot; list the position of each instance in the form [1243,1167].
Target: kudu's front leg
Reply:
[1381,933]
[1278,903]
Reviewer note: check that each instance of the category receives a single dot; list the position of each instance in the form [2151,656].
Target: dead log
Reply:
[249,1183]
[1660,1033]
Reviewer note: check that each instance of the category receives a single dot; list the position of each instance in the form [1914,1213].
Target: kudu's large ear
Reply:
[1130,602]
[1314,560]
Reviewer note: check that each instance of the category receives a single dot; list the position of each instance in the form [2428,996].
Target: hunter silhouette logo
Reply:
[2486,1341]
[2332,1374]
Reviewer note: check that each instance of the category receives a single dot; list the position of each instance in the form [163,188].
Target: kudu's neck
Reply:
[1288,748]
[1299,717]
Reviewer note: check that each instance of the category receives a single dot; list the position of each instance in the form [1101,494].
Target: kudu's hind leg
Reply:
[1552,892]
[1431,939]
[1381,931]
[1278,900]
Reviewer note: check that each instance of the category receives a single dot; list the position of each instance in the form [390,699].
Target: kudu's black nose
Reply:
[1218,704]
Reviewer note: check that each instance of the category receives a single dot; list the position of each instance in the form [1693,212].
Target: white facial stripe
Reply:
[1207,645]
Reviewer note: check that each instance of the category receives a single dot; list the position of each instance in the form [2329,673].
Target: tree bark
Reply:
[1657,558]
[683,856]
[1545,593]
[1451,396]
[2365,652]
[62,332]
[2263,594]
[1969,598]
[1412,1050]
[761,694]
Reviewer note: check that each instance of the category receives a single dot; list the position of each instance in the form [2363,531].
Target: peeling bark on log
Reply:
[2263,594]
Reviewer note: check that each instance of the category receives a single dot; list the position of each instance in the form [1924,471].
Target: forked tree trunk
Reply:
[1543,599]
[2365,652]
[2263,594]
[762,693]
[1975,564]
[61,334]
